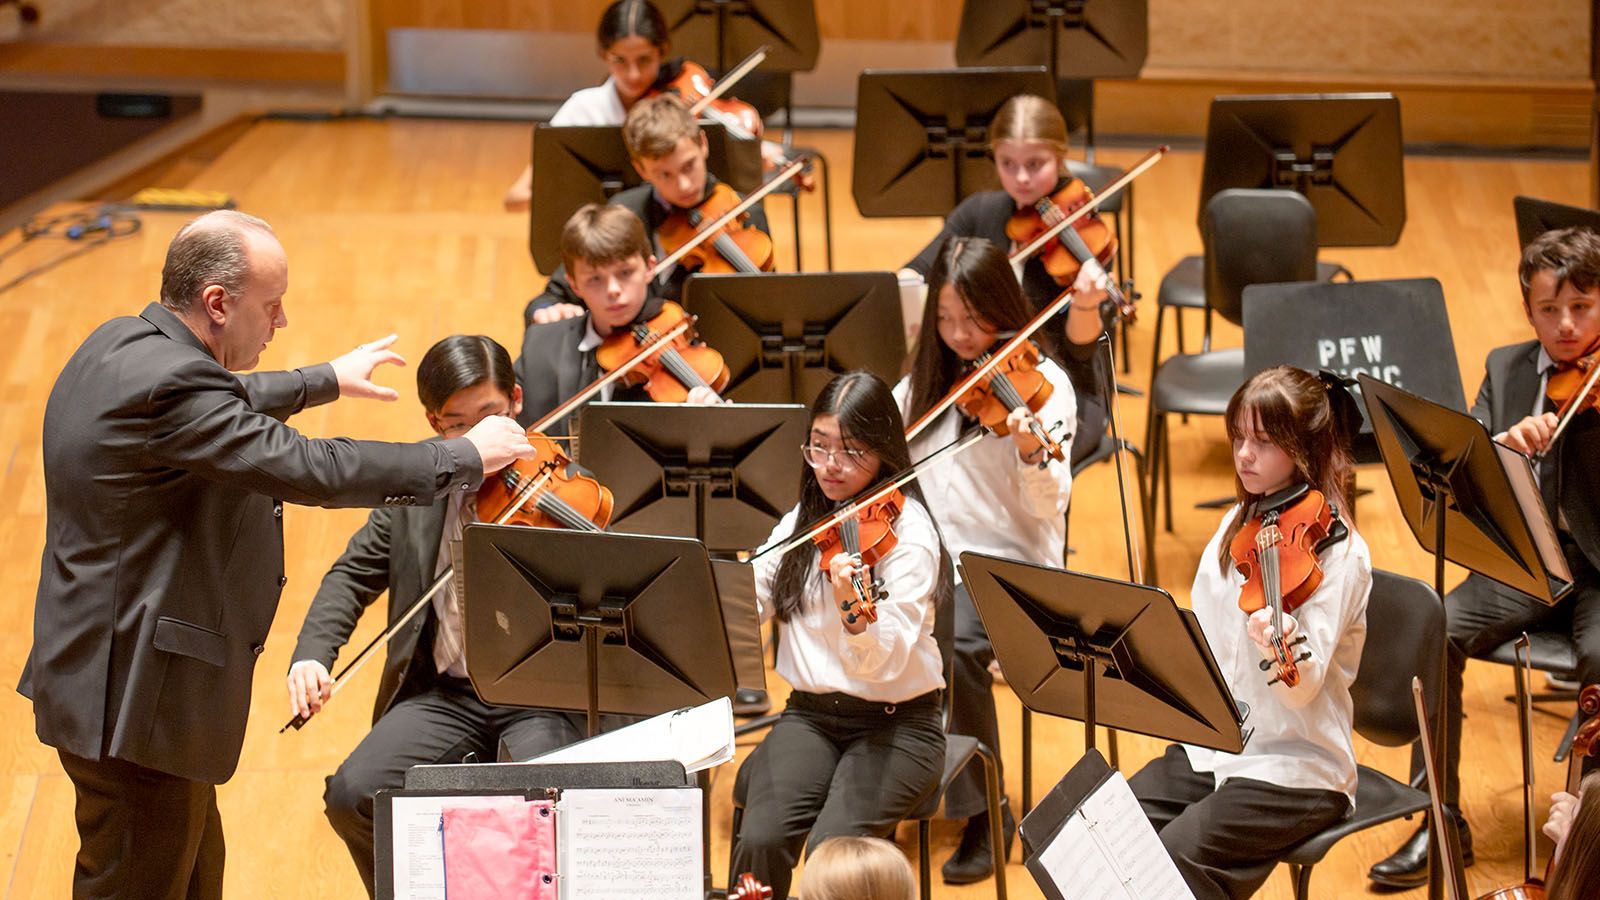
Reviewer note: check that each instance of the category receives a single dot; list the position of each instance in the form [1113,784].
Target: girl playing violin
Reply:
[857,868]
[1028,138]
[426,710]
[605,249]
[861,741]
[634,41]
[1225,818]
[1005,495]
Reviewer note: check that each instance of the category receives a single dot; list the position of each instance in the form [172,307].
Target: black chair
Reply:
[958,752]
[1405,637]
[1251,237]
[1184,287]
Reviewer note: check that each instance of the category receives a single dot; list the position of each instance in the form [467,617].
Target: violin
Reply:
[1277,552]
[544,491]
[869,534]
[1016,382]
[695,86]
[673,366]
[738,246]
[1573,388]
[748,888]
[1087,238]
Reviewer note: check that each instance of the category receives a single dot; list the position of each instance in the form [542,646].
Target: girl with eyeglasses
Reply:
[861,741]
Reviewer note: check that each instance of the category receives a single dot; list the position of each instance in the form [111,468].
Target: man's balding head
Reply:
[211,249]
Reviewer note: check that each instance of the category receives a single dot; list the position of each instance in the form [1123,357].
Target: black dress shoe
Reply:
[1408,866]
[974,859]
[751,703]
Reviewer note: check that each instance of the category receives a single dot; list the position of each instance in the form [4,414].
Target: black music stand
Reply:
[1396,330]
[723,474]
[722,32]
[1453,488]
[933,127]
[1070,38]
[1535,217]
[784,336]
[574,165]
[592,621]
[1103,652]
[1342,151]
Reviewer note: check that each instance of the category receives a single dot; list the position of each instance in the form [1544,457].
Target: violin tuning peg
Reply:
[1266,665]
[1303,657]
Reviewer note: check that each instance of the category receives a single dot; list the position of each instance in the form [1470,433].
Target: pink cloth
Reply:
[506,849]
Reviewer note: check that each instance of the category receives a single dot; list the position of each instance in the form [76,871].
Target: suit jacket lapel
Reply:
[1522,384]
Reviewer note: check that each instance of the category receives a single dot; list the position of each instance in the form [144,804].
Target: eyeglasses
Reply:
[816,457]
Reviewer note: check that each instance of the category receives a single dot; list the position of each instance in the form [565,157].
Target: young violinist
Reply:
[605,249]
[1560,276]
[857,868]
[634,42]
[1006,495]
[669,151]
[1028,139]
[1225,818]
[426,710]
[861,741]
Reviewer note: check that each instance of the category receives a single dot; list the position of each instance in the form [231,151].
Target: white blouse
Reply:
[593,106]
[986,498]
[1302,735]
[896,658]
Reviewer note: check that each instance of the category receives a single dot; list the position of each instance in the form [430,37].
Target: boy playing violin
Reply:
[605,249]
[669,151]
[1560,275]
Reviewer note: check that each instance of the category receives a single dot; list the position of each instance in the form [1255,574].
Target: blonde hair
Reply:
[1027,118]
[601,234]
[655,126]
[857,868]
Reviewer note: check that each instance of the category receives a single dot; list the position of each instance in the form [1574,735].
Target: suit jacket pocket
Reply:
[186,639]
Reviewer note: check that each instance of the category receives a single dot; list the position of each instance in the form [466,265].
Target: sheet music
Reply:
[1519,469]
[624,844]
[699,737]
[419,842]
[1107,848]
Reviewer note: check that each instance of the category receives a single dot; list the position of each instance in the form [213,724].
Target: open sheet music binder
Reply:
[1089,838]
[542,844]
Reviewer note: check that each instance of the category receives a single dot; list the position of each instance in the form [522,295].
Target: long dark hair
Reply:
[1577,873]
[1295,411]
[867,415]
[461,361]
[982,277]
[633,18]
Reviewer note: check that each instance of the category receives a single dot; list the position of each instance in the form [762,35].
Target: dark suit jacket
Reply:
[641,201]
[163,558]
[1510,385]
[396,551]
[551,369]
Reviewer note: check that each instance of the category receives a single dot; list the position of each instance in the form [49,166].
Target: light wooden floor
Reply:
[395,226]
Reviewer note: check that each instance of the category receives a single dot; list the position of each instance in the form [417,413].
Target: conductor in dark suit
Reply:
[427,711]
[1560,274]
[165,477]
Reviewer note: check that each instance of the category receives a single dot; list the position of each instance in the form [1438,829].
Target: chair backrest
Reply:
[1255,237]
[1405,637]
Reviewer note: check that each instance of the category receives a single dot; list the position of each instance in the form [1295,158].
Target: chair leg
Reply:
[997,845]
[1166,472]
[1302,881]
[924,868]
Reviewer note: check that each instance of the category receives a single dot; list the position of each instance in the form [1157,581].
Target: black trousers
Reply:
[441,725]
[1480,615]
[972,710]
[1226,839]
[833,765]
[144,834]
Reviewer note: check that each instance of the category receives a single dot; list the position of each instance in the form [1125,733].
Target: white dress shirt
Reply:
[896,658]
[595,106]
[590,343]
[986,498]
[449,640]
[1302,735]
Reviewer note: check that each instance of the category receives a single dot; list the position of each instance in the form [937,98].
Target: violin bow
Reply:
[1049,234]
[1574,406]
[799,537]
[711,230]
[353,666]
[727,81]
